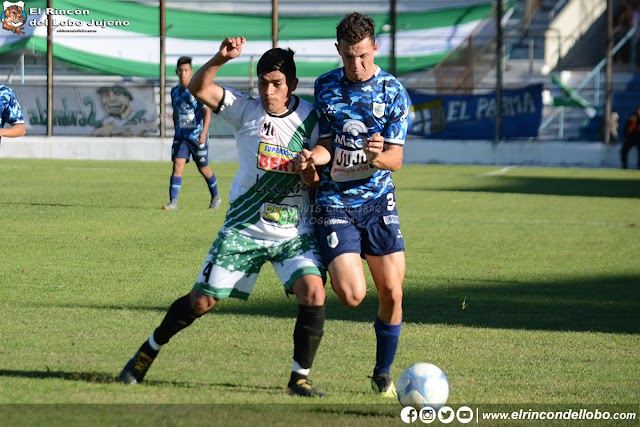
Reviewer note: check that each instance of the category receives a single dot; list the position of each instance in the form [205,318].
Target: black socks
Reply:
[307,335]
[179,316]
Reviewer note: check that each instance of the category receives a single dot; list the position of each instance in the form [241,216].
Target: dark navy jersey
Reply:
[350,112]
[190,118]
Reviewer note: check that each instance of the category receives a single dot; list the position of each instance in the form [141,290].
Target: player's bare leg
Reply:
[347,279]
[388,274]
[308,332]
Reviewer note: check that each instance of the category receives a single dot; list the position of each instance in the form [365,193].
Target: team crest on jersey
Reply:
[378,110]
[267,131]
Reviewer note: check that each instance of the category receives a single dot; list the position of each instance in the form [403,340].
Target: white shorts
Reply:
[234,261]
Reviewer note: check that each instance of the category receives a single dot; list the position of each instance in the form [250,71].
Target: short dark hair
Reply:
[183,60]
[356,27]
[278,59]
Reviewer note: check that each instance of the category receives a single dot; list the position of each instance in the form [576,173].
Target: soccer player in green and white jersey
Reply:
[269,216]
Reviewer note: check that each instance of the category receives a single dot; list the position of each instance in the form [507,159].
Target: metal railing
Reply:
[594,74]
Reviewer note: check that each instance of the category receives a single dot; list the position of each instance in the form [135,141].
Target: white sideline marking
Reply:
[498,172]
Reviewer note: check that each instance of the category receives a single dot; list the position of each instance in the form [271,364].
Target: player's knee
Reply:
[203,304]
[351,297]
[351,301]
[391,296]
[313,296]
[316,296]
[310,291]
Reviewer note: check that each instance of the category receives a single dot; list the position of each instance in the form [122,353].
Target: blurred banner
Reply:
[473,116]
[122,37]
[100,110]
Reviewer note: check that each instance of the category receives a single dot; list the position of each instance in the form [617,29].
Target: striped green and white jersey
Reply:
[268,199]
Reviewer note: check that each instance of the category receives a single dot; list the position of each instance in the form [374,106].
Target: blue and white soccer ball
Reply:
[423,384]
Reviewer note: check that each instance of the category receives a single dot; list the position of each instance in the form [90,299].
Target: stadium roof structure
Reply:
[122,37]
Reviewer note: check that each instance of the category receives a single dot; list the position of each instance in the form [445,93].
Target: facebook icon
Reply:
[408,414]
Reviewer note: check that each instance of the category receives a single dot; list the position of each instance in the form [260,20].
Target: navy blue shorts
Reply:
[185,149]
[370,229]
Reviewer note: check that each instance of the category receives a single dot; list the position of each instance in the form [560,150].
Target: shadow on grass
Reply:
[606,304]
[57,205]
[316,414]
[81,205]
[104,378]
[597,304]
[586,187]
[88,377]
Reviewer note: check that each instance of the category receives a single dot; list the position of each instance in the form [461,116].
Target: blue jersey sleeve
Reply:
[395,131]
[11,111]
[174,98]
[324,126]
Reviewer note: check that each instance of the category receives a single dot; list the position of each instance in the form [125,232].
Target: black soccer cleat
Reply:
[137,367]
[304,388]
[382,384]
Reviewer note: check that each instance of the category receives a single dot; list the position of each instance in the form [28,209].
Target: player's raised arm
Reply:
[202,84]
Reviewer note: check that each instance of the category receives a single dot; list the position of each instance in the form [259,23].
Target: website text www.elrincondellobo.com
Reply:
[489,413]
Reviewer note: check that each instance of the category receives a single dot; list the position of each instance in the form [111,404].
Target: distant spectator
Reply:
[635,14]
[614,122]
[635,23]
[10,112]
[631,138]
[626,17]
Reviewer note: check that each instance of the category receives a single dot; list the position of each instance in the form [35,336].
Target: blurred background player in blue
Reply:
[11,113]
[191,120]
[363,125]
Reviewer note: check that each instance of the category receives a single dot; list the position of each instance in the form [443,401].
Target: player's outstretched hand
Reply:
[231,47]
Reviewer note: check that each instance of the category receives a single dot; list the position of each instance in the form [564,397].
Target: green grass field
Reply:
[523,286]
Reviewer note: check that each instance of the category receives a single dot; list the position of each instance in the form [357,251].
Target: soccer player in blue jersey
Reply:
[269,218]
[11,113]
[191,120]
[363,125]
